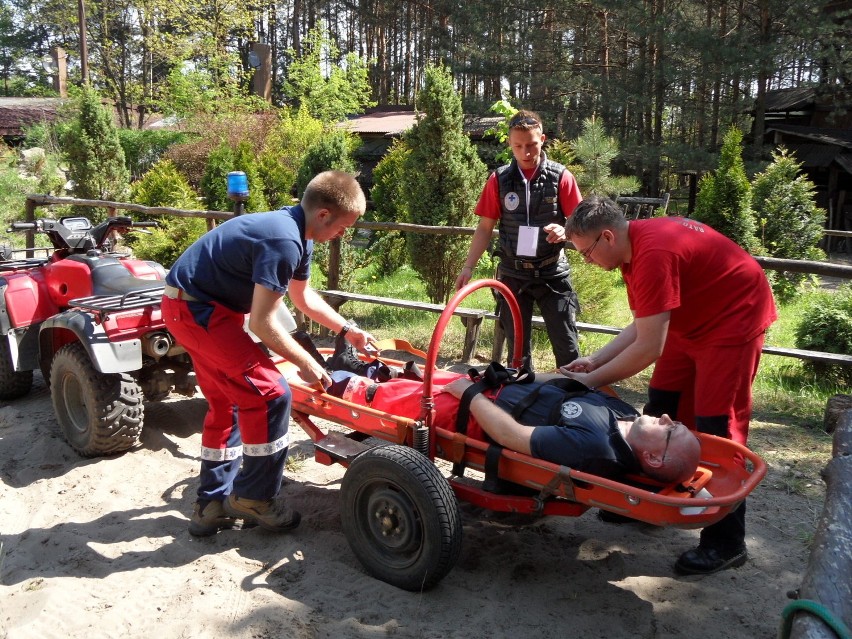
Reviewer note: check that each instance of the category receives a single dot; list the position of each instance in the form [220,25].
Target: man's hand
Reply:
[362,340]
[579,365]
[312,372]
[583,378]
[555,233]
[464,277]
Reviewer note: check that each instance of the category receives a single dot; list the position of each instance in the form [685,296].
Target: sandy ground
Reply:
[100,548]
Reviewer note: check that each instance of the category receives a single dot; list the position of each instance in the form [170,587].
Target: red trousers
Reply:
[249,402]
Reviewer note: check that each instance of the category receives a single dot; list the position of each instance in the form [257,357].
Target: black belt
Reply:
[175,293]
[523,265]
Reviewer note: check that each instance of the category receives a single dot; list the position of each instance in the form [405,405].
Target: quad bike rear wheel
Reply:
[400,517]
[99,414]
[13,384]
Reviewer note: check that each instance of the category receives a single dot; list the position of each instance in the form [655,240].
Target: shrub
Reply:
[826,325]
[789,222]
[142,149]
[283,151]
[164,185]
[333,151]
[596,288]
[214,183]
[206,133]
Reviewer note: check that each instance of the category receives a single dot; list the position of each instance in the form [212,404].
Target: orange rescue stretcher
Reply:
[400,513]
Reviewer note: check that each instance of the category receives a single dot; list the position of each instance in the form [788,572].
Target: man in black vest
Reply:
[530,198]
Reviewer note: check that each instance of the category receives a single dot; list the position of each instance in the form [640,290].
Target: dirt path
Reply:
[100,548]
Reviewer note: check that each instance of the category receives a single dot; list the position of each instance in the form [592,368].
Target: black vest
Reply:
[544,209]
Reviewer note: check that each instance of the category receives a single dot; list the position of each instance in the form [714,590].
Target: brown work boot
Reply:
[271,514]
[208,518]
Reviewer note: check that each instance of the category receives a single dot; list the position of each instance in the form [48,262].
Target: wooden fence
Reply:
[337,297]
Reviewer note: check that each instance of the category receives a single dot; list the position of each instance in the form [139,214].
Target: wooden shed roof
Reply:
[16,114]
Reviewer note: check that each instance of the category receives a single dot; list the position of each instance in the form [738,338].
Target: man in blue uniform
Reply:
[247,265]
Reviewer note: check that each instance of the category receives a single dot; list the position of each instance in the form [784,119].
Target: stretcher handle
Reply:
[748,484]
[395,344]
[427,405]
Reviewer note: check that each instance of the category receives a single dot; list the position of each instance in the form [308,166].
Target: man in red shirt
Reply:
[701,307]
[530,198]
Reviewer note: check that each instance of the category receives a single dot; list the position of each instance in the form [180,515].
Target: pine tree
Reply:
[91,147]
[596,151]
[443,178]
[724,197]
[789,222]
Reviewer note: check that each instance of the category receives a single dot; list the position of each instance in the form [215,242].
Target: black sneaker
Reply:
[346,358]
[707,560]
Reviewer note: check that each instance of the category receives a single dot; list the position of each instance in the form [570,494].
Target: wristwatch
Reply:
[346,328]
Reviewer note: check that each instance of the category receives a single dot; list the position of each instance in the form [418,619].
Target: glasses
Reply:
[527,121]
[588,252]
[668,439]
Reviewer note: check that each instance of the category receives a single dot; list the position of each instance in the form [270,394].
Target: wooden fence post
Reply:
[827,583]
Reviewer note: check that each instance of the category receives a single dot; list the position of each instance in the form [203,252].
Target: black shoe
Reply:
[346,358]
[412,371]
[706,561]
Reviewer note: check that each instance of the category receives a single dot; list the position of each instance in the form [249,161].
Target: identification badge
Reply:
[527,241]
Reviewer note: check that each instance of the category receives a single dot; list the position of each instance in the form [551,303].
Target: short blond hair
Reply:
[337,191]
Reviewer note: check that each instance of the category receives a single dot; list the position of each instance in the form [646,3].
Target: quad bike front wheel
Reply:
[13,384]
[99,414]
[400,517]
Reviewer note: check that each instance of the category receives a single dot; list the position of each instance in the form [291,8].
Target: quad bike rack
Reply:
[400,513]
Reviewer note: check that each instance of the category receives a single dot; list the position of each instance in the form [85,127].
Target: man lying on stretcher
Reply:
[550,417]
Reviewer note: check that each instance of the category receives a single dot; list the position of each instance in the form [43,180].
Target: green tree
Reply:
[596,151]
[163,185]
[283,151]
[390,206]
[724,197]
[93,152]
[343,91]
[333,151]
[443,178]
[789,222]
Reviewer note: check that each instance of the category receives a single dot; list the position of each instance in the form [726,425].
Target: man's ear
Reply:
[651,460]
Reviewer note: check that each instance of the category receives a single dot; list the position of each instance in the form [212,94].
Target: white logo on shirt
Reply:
[571,410]
[511,201]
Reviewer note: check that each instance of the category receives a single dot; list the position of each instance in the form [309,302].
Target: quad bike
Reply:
[90,320]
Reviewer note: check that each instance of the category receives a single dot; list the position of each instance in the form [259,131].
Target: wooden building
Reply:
[820,136]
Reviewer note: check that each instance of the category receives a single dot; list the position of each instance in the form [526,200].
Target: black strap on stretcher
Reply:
[494,377]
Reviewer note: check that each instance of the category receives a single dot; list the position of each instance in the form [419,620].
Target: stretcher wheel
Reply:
[400,517]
